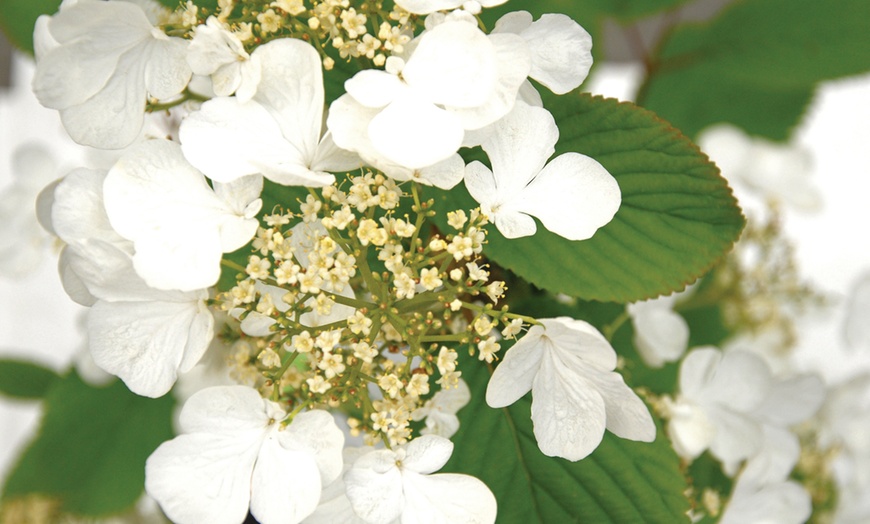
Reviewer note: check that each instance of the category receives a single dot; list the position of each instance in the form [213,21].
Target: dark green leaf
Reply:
[620,482]
[91,448]
[17,18]
[678,216]
[757,64]
[25,380]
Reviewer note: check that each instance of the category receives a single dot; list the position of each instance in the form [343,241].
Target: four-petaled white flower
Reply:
[573,195]
[718,394]
[143,335]
[387,485]
[778,172]
[97,62]
[179,226]
[235,452]
[277,133]
[414,115]
[569,367]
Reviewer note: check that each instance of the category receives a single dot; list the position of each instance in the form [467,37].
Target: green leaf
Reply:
[17,18]
[25,380]
[756,65]
[620,482]
[91,448]
[677,218]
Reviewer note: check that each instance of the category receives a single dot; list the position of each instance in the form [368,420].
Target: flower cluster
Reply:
[313,236]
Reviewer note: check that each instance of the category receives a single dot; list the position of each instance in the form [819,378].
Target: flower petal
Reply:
[145,343]
[567,411]
[415,133]
[285,485]
[316,431]
[291,88]
[446,497]
[223,409]
[514,377]
[374,487]
[204,477]
[573,196]
[228,139]
[561,52]
[427,454]
[627,415]
[518,148]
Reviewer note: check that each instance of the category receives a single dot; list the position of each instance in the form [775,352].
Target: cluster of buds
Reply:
[357,307]
[363,31]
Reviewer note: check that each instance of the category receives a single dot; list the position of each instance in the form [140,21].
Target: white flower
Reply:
[778,172]
[98,62]
[763,491]
[439,412]
[386,485]
[424,7]
[144,336]
[235,453]
[217,52]
[718,394]
[277,133]
[569,367]
[561,49]
[660,334]
[856,328]
[573,195]
[179,226]
[22,242]
[415,114]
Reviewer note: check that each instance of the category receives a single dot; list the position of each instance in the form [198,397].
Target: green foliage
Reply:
[678,216]
[17,18]
[91,448]
[25,380]
[757,64]
[620,482]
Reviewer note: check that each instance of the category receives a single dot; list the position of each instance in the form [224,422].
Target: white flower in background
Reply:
[23,243]
[763,491]
[234,452]
[277,133]
[845,417]
[384,486]
[718,394]
[144,336]
[439,412]
[660,334]
[856,325]
[215,51]
[179,226]
[561,50]
[98,62]
[777,172]
[424,7]
[415,114]
[572,195]
[569,367]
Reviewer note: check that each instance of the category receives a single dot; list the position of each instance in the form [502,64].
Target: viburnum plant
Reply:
[352,237]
